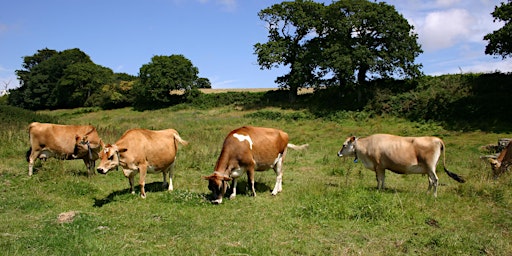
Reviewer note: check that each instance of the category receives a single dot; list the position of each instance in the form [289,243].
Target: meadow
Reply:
[329,206]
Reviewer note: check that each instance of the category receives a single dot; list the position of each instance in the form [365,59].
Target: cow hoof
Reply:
[143,196]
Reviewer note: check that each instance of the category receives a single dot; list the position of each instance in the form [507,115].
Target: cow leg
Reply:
[433,182]
[171,174]
[31,160]
[90,164]
[278,169]
[131,179]
[233,184]
[142,180]
[250,180]
[380,175]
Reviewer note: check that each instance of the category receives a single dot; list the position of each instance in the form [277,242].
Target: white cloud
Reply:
[446,28]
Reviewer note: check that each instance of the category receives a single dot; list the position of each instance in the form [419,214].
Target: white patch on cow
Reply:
[235,173]
[242,138]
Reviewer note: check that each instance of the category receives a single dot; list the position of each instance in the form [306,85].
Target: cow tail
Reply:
[29,152]
[295,147]
[451,174]
[180,140]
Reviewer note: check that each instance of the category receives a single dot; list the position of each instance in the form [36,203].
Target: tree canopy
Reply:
[162,75]
[337,44]
[500,40]
[52,79]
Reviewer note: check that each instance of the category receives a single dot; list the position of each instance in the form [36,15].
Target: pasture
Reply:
[329,206]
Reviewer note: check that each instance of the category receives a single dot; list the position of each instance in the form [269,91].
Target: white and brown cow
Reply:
[63,142]
[142,151]
[249,149]
[402,155]
[504,160]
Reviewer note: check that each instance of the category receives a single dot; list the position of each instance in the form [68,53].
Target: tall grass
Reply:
[329,206]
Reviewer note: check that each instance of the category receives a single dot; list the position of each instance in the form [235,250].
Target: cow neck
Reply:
[221,174]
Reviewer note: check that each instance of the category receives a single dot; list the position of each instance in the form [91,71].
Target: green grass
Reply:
[329,206]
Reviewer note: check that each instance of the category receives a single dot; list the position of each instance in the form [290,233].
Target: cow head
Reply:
[497,167]
[109,158]
[82,147]
[349,147]
[218,184]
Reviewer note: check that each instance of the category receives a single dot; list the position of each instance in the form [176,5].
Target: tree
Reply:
[78,83]
[203,83]
[500,41]
[291,25]
[162,75]
[337,44]
[374,39]
[51,79]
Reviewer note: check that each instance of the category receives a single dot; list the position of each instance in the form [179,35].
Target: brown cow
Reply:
[504,160]
[142,151]
[402,155]
[63,142]
[249,149]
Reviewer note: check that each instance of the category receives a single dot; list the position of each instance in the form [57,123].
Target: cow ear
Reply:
[207,177]
[353,138]
[227,178]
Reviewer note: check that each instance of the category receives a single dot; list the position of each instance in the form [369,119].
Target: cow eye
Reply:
[110,158]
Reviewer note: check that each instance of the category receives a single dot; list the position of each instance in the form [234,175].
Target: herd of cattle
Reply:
[245,150]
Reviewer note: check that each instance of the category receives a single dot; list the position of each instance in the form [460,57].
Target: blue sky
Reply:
[218,35]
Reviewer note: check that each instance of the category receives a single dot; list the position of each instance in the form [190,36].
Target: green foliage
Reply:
[14,117]
[52,80]
[499,40]
[332,45]
[466,101]
[205,101]
[162,75]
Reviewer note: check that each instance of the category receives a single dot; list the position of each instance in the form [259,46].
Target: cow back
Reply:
[157,147]
[247,145]
[60,139]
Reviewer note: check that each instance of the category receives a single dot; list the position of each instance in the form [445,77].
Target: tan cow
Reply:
[249,149]
[63,142]
[142,151]
[504,160]
[402,155]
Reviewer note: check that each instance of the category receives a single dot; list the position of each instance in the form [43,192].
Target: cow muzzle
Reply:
[217,201]
[102,171]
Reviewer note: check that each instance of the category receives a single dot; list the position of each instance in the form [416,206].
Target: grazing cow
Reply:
[402,155]
[249,149]
[142,151]
[504,160]
[63,142]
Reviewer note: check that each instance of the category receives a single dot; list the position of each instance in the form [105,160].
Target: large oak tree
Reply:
[342,43]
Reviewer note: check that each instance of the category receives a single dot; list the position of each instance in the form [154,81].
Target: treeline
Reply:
[461,102]
[69,79]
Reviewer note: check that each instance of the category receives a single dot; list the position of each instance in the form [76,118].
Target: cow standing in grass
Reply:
[249,149]
[63,142]
[402,155]
[142,151]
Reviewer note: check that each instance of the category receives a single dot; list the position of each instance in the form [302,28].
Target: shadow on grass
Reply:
[150,188]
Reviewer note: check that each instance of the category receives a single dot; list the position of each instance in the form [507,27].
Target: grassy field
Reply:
[329,206]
